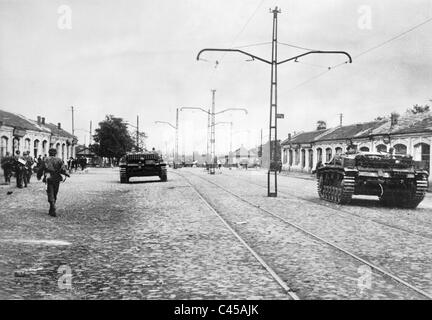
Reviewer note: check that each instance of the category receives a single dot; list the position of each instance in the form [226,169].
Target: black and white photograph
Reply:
[193,151]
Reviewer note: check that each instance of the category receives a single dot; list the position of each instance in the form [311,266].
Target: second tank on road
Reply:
[396,179]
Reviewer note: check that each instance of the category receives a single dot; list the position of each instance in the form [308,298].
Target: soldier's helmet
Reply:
[52,152]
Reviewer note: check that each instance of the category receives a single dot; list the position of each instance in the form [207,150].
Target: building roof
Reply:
[58,132]
[82,150]
[305,137]
[16,121]
[352,131]
[407,123]
[20,122]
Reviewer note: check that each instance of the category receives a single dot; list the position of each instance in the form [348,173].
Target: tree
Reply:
[416,109]
[321,125]
[112,139]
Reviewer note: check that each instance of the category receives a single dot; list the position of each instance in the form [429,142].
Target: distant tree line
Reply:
[112,138]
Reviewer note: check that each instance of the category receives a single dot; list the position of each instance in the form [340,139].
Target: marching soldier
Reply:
[7,165]
[52,169]
[28,166]
[19,165]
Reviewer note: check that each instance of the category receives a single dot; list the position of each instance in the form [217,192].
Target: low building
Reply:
[36,136]
[243,156]
[409,134]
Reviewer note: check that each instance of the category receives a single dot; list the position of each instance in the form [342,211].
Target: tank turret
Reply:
[397,180]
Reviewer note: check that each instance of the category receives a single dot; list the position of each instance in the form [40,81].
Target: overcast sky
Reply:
[130,58]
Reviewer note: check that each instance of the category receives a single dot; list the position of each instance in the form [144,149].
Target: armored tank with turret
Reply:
[397,180]
[142,164]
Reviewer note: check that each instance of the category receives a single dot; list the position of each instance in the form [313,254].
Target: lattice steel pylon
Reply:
[272,171]
[212,136]
[208,138]
[274,162]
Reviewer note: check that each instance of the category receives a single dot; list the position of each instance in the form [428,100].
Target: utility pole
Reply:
[137,133]
[231,132]
[211,128]
[208,136]
[73,127]
[176,127]
[90,137]
[212,136]
[176,138]
[272,172]
[273,167]
[340,119]
[261,150]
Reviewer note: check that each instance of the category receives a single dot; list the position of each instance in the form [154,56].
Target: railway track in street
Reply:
[341,211]
[272,273]
[334,246]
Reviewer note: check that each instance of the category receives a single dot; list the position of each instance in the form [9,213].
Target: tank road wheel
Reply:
[336,187]
[415,195]
[388,199]
[123,176]
[346,189]
[320,186]
[163,177]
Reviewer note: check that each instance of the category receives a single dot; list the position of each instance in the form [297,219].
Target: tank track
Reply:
[123,176]
[416,196]
[409,200]
[339,192]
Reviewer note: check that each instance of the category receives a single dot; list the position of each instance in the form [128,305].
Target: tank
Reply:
[142,164]
[397,180]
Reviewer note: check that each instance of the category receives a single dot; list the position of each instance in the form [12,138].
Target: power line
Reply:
[296,47]
[319,75]
[252,45]
[387,41]
[247,22]
[311,64]
[241,31]
[361,53]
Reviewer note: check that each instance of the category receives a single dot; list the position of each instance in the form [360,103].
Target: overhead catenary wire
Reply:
[296,47]
[362,53]
[217,62]
[252,45]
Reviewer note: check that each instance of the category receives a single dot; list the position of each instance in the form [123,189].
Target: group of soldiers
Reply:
[50,168]
[21,165]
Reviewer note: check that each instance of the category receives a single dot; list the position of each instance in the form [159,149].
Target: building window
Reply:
[381,148]
[328,154]
[290,157]
[15,145]
[400,148]
[297,156]
[3,146]
[35,148]
[63,151]
[303,158]
[44,147]
[338,150]
[422,153]
[285,156]
[319,155]
[310,158]
[364,149]
[27,144]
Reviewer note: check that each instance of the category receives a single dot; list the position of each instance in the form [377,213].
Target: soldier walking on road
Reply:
[52,169]
[19,170]
[28,166]
[7,164]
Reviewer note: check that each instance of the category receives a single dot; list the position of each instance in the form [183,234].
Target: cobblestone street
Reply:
[160,240]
